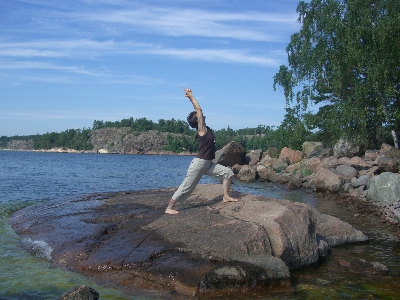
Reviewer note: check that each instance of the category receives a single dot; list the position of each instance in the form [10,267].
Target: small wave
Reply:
[38,248]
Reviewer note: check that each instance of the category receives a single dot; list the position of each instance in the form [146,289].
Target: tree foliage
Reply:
[346,60]
[70,139]
[142,124]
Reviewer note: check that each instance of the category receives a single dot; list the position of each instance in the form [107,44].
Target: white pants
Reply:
[199,167]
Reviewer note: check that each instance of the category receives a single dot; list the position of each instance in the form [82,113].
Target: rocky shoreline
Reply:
[370,177]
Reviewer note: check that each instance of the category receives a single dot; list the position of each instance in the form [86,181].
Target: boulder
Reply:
[345,188]
[359,163]
[344,161]
[389,151]
[364,267]
[268,174]
[293,156]
[328,181]
[358,192]
[80,293]
[387,164]
[247,174]
[330,162]
[253,154]
[313,164]
[309,181]
[312,148]
[272,152]
[279,165]
[348,149]
[324,153]
[370,155]
[231,154]
[236,168]
[361,181]
[347,172]
[384,188]
[254,161]
[267,161]
[126,239]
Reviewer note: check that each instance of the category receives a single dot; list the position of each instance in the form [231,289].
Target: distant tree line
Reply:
[181,137]
[142,124]
[69,139]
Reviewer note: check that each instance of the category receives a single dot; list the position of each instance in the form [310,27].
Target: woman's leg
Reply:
[194,173]
[227,186]
[226,174]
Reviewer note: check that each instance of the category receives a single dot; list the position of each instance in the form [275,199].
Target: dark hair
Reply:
[192,119]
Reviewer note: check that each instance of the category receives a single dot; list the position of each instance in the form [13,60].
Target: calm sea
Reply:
[27,178]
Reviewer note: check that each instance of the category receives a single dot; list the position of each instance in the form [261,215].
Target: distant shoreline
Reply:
[59,150]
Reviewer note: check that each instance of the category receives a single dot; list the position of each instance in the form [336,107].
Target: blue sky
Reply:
[66,63]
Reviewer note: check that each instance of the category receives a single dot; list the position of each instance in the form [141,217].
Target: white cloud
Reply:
[190,22]
[90,49]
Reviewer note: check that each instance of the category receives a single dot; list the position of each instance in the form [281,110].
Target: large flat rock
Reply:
[210,248]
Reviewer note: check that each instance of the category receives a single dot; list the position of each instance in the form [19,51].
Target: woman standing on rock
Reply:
[202,163]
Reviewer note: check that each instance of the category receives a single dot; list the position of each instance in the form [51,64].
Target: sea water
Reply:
[28,178]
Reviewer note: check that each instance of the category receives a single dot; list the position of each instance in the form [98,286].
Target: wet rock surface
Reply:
[211,248]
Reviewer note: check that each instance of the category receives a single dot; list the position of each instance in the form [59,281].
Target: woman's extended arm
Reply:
[201,128]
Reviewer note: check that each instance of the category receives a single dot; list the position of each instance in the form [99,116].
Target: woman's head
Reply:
[192,119]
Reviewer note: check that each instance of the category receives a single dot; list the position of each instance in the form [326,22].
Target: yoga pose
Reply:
[202,163]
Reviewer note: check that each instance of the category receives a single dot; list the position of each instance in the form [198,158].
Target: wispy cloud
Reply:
[90,49]
[222,55]
[190,22]
[105,76]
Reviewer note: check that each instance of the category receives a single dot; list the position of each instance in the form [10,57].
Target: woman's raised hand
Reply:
[188,92]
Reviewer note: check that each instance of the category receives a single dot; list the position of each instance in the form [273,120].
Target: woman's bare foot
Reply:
[171,211]
[229,199]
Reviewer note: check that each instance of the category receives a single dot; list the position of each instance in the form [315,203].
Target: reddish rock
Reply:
[328,181]
[294,156]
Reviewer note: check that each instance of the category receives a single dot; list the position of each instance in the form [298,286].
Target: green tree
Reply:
[346,60]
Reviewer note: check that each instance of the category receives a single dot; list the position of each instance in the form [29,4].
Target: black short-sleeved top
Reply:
[206,145]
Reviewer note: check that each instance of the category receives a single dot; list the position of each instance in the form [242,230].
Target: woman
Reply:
[202,164]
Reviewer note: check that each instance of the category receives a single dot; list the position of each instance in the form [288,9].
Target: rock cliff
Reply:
[114,140]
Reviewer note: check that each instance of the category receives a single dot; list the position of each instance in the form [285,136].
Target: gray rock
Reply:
[384,188]
[231,154]
[347,172]
[370,155]
[361,181]
[330,162]
[348,149]
[80,293]
[312,147]
[279,165]
[345,188]
[387,164]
